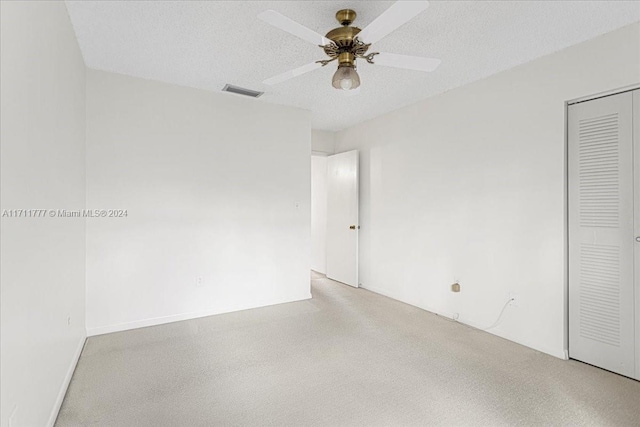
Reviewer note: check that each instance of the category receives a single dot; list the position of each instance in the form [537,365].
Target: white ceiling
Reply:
[206,44]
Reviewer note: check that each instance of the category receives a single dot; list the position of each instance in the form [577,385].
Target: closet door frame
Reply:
[636,167]
[636,226]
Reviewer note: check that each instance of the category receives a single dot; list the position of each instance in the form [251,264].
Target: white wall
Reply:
[319,214]
[42,91]
[216,186]
[469,185]
[323,142]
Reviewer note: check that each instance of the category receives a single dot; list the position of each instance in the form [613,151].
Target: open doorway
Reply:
[319,213]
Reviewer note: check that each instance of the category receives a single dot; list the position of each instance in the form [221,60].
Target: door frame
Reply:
[566,203]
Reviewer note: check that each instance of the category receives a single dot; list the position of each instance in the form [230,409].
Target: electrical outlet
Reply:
[199,282]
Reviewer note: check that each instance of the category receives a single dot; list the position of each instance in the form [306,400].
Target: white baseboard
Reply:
[155,321]
[559,353]
[65,383]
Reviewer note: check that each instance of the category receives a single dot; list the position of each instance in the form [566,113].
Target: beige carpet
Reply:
[348,357]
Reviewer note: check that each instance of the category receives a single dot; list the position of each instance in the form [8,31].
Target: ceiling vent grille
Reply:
[241,91]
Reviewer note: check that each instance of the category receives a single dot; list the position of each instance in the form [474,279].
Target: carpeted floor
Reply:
[348,357]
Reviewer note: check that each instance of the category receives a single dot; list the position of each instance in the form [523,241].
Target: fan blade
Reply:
[290,26]
[417,63]
[399,13]
[292,73]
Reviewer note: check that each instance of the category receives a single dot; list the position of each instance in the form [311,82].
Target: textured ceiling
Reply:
[206,44]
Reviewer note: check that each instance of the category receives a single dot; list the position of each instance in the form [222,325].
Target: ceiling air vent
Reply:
[241,91]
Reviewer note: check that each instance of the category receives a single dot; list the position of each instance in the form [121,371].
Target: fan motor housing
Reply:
[344,40]
[343,36]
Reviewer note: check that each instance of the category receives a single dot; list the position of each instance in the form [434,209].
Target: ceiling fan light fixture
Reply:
[346,78]
[346,43]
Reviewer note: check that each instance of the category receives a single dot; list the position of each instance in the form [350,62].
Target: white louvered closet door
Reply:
[601,233]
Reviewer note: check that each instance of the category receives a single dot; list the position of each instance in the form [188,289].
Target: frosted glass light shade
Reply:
[346,78]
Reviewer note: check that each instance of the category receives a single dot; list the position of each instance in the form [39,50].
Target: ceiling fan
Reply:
[346,44]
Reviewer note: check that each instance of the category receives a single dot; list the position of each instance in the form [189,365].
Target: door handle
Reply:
[353,227]
[638,239]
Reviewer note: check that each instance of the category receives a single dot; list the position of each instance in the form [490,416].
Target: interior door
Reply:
[601,233]
[342,218]
[636,219]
